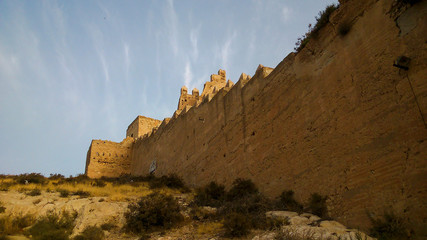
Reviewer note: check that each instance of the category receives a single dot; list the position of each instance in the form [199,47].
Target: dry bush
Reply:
[155,211]
[170,181]
[82,193]
[317,205]
[287,202]
[91,233]
[389,227]
[212,195]
[34,192]
[236,225]
[53,226]
[14,224]
[36,178]
[56,176]
[241,188]
[321,20]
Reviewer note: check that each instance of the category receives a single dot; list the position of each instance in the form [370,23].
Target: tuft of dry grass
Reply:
[14,224]
[115,192]
[209,228]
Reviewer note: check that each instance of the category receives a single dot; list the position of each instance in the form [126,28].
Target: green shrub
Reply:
[302,41]
[34,192]
[126,179]
[287,202]
[170,181]
[15,224]
[23,221]
[53,227]
[244,198]
[253,207]
[389,227]
[241,188]
[36,178]
[317,205]
[63,193]
[236,225]
[151,212]
[98,183]
[56,176]
[80,178]
[91,233]
[108,226]
[212,195]
[321,20]
[81,193]
[4,186]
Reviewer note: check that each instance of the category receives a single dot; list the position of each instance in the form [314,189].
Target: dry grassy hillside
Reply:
[35,207]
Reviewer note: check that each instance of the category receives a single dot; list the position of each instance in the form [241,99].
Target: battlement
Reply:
[217,82]
[188,99]
[141,126]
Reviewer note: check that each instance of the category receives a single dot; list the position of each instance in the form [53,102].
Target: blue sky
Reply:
[73,71]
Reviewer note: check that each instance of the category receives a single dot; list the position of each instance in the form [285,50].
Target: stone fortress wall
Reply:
[107,158]
[337,118]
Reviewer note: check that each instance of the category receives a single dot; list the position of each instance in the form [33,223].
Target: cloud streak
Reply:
[286,14]
[226,50]
[172,28]
[188,75]
[127,59]
[194,43]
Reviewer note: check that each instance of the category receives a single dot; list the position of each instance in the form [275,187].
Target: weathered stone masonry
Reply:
[336,118]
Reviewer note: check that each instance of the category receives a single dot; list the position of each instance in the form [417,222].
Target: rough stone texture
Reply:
[337,118]
[281,215]
[141,126]
[110,159]
[298,220]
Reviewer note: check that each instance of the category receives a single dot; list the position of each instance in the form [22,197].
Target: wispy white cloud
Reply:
[172,26]
[188,75]
[108,89]
[194,39]
[127,58]
[226,50]
[286,14]
[104,66]
[9,69]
